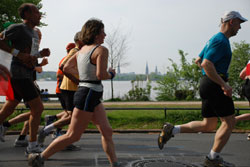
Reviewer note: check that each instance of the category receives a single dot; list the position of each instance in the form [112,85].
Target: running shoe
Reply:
[41,136]
[217,162]
[248,137]
[35,160]
[21,143]
[3,130]
[37,149]
[48,119]
[165,134]
[72,147]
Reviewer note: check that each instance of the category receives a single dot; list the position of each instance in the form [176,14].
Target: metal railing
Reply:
[165,109]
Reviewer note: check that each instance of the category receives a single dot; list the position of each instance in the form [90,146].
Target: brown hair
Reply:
[90,30]
[25,7]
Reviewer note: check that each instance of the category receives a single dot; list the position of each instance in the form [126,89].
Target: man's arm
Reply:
[5,47]
[210,71]
[4,72]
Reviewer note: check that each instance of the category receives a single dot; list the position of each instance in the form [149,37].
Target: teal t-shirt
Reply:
[218,51]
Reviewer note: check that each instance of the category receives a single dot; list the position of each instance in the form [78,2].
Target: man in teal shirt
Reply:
[215,92]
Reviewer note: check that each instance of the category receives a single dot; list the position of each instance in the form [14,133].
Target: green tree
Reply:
[138,93]
[240,57]
[9,11]
[180,82]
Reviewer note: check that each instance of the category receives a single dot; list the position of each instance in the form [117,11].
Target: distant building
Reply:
[147,71]
[156,70]
[118,69]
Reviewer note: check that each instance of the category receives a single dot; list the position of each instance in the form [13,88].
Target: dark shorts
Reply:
[87,99]
[24,89]
[59,95]
[68,97]
[214,102]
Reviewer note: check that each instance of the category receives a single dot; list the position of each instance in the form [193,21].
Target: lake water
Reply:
[120,88]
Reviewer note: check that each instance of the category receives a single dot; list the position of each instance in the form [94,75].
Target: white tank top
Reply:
[87,71]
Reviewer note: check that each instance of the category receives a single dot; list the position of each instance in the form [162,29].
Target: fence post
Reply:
[165,113]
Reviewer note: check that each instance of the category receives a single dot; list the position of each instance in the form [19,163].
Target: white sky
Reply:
[157,28]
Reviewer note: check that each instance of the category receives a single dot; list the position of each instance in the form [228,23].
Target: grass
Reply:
[143,119]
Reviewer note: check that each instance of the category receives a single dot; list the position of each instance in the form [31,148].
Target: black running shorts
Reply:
[87,99]
[24,89]
[59,95]
[68,97]
[214,102]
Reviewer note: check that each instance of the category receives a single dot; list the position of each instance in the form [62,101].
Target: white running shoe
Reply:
[37,149]
[41,136]
[35,160]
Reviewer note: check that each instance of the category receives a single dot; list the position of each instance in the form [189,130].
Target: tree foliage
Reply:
[9,11]
[240,57]
[180,82]
[138,92]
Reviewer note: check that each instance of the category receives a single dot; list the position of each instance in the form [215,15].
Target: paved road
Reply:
[135,147]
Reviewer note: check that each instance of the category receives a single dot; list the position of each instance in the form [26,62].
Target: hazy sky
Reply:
[156,29]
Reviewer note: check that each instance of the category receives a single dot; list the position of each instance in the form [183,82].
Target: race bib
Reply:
[35,46]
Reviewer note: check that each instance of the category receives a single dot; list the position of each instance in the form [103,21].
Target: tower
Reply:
[147,71]
[118,69]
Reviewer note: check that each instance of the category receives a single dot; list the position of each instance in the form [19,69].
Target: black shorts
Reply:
[59,95]
[68,97]
[214,102]
[24,89]
[87,99]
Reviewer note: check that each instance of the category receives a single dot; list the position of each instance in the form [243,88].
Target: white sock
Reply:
[32,144]
[213,155]
[177,129]
[49,128]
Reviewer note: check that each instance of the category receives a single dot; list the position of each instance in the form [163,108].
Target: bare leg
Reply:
[61,114]
[7,109]
[64,120]
[79,122]
[25,129]
[223,133]
[101,121]
[243,117]
[206,125]
[20,118]
[36,108]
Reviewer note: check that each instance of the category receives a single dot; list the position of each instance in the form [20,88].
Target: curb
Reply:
[117,131]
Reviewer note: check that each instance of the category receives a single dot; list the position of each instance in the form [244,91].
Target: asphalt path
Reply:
[187,149]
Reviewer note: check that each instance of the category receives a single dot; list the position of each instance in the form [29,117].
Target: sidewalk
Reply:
[135,150]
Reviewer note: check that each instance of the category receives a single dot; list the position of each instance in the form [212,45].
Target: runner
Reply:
[68,89]
[92,61]
[215,93]
[245,75]
[25,52]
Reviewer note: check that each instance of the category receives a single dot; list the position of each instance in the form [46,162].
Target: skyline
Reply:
[156,29]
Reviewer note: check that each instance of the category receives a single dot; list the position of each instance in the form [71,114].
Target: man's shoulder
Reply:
[15,26]
[218,39]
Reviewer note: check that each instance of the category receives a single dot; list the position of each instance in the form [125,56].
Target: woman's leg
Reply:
[101,121]
[79,122]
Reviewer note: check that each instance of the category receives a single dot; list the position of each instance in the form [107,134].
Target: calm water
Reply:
[120,88]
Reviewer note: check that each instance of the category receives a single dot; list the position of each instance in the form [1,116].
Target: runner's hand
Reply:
[227,90]
[45,52]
